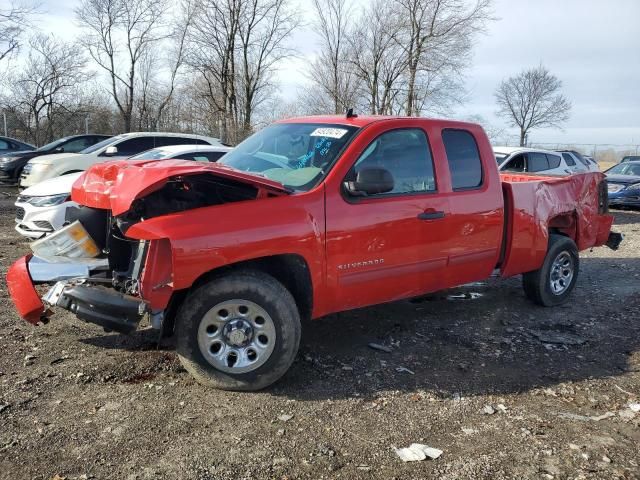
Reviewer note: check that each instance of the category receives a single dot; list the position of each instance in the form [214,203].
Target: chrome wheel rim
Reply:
[562,271]
[236,336]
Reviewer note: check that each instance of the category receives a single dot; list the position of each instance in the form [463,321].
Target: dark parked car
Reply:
[8,144]
[12,163]
[624,184]
[630,158]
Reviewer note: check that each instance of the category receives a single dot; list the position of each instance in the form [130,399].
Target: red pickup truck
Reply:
[307,217]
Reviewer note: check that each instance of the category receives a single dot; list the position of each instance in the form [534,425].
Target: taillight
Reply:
[603,197]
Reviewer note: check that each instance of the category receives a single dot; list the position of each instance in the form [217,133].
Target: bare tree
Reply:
[438,40]
[532,99]
[265,25]
[235,46]
[157,93]
[14,19]
[376,58]
[46,88]
[331,72]
[212,54]
[118,34]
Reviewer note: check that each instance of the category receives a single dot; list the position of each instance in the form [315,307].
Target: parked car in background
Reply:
[12,163]
[630,158]
[624,184]
[115,148]
[199,153]
[580,160]
[532,160]
[8,144]
[41,209]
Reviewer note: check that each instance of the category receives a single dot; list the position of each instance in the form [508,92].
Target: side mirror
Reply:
[370,181]
[59,149]
[111,151]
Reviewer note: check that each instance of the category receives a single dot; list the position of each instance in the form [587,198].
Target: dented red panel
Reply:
[534,202]
[115,185]
[156,283]
[23,294]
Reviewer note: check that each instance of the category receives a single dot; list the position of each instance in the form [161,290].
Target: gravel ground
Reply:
[504,388]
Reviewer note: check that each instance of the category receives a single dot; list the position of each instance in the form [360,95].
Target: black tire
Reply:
[256,287]
[538,285]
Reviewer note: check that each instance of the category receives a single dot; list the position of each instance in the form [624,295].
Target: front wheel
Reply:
[553,282]
[240,331]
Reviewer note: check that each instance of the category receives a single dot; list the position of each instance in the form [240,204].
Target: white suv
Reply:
[533,160]
[583,162]
[114,148]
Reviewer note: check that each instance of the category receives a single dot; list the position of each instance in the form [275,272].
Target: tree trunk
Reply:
[523,136]
[410,90]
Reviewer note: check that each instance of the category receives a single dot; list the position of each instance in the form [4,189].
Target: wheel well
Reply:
[70,172]
[289,269]
[564,224]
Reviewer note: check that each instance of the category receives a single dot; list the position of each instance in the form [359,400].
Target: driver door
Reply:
[392,245]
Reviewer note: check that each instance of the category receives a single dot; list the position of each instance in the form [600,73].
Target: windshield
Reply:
[153,154]
[103,143]
[630,158]
[625,169]
[298,155]
[52,145]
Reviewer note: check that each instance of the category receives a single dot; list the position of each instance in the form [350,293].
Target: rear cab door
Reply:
[473,190]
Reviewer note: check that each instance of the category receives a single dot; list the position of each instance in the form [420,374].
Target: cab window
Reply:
[406,155]
[464,159]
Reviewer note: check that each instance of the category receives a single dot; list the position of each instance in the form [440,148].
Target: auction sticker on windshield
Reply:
[329,132]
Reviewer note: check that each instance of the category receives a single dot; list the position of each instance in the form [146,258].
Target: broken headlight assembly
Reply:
[65,245]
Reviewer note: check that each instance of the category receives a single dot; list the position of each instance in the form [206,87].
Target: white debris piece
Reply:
[417,452]
[635,407]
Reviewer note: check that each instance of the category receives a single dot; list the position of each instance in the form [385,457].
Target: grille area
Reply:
[19,213]
[43,224]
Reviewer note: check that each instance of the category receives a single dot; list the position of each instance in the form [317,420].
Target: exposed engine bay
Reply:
[103,285]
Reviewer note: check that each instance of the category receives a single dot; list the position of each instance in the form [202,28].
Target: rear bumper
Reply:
[24,295]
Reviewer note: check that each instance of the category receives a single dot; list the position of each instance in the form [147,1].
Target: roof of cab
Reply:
[365,120]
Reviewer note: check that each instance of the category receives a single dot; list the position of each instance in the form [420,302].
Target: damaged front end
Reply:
[94,269]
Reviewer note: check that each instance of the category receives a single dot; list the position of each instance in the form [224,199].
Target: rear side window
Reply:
[554,160]
[164,141]
[464,159]
[569,159]
[134,146]
[537,162]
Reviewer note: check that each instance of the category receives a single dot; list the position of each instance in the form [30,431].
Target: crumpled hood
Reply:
[115,185]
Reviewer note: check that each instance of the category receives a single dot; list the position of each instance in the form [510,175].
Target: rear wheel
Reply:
[239,331]
[553,282]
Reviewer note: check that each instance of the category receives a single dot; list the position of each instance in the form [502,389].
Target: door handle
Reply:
[431,215]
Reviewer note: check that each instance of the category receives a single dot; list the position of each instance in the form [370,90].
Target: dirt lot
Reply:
[506,389]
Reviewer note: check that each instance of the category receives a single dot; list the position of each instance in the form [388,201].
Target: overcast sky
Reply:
[593,46]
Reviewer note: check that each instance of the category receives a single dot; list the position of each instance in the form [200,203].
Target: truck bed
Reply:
[536,205]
